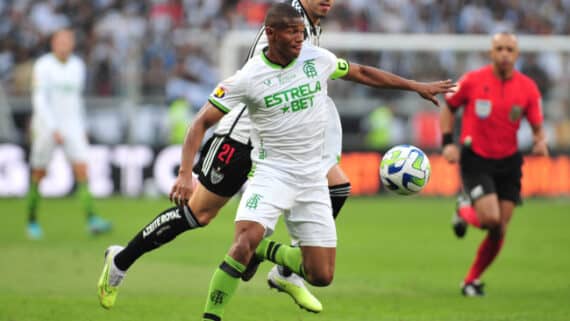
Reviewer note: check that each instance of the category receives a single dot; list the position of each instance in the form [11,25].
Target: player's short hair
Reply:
[279,14]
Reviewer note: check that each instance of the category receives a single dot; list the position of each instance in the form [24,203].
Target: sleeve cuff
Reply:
[218,105]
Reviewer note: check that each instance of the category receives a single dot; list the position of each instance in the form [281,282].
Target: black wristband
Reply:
[446,139]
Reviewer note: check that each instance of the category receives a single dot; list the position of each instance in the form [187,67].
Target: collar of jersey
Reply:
[274,65]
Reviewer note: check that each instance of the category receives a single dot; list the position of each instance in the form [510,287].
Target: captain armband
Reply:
[342,67]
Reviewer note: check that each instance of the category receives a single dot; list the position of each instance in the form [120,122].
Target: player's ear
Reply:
[269,31]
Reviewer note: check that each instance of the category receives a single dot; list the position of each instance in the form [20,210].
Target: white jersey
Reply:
[237,122]
[287,107]
[57,95]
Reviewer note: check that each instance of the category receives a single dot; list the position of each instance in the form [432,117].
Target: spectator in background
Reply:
[193,77]
[532,69]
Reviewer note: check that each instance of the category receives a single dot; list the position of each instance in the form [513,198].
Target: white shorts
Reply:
[333,137]
[306,208]
[75,147]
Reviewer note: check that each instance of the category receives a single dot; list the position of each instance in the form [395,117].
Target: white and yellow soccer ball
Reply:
[405,169]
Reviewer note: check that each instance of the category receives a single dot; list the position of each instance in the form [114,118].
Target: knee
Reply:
[205,216]
[243,249]
[490,220]
[498,232]
[321,279]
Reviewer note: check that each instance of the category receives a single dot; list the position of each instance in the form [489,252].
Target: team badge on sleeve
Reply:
[219,92]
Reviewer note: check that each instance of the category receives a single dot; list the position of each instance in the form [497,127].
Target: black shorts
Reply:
[223,165]
[482,176]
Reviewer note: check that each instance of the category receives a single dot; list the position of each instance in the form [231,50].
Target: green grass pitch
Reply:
[397,260]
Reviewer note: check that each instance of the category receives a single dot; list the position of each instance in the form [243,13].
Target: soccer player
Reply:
[285,91]
[495,98]
[225,162]
[222,169]
[58,120]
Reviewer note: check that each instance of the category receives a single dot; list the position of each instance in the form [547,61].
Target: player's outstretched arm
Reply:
[206,118]
[377,78]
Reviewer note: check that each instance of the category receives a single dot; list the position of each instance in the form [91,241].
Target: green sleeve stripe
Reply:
[342,68]
[218,105]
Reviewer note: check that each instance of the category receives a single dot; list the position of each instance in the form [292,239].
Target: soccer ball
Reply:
[405,169]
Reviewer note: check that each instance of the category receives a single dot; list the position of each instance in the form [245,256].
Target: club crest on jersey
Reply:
[219,92]
[516,113]
[309,69]
[216,176]
[483,108]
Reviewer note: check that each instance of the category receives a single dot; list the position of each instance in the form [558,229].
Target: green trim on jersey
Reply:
[341,70]
[274,65]
[219,105]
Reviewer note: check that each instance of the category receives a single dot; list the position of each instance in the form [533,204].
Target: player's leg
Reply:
[34,229]
[217,183]
[95,223]
[339,188]
[76,148]
[209,196]
[202,207]
[40,155]
[507,176]
[312,225]
[260,207]
[226,277]
[476,182]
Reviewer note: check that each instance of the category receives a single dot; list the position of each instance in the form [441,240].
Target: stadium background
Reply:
[152,63]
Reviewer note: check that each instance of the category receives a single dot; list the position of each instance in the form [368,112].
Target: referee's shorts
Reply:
[482,176]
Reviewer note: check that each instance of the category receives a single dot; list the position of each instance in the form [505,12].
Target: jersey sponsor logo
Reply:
[219,92]
[516,113]
[166,217]
[294,99]
[309,69]
[483,108]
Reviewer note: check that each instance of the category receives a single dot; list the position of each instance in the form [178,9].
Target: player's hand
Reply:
[540,148]
[429,90]
[57,137]
[451,153]
[182,189]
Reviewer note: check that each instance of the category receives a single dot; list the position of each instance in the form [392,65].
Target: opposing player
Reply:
[223,168]
[495,98]
[58,120]
[288,120]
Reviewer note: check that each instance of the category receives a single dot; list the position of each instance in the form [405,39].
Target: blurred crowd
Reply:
[164,48]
